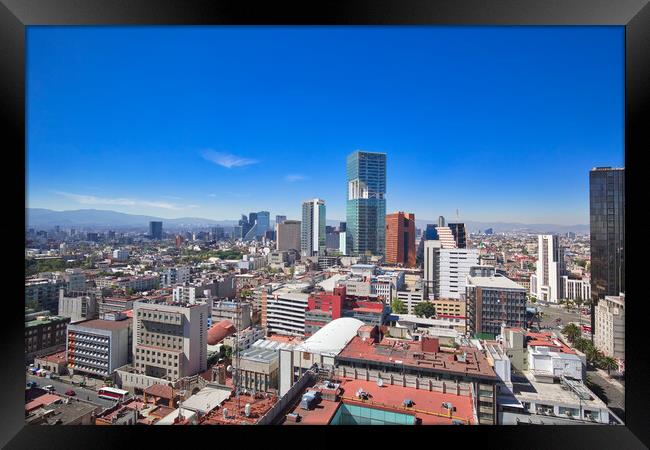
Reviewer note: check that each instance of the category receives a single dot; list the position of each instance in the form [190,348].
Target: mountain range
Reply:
[97,218]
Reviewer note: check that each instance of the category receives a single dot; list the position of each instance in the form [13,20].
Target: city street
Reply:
[82,393]
[611,392]
[551,313]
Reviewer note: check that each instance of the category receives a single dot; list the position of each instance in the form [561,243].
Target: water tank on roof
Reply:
[247,410]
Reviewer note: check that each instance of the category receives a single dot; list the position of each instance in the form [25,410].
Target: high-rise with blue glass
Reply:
[366,203]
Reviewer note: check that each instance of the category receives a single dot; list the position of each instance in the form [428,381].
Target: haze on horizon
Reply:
[503,124]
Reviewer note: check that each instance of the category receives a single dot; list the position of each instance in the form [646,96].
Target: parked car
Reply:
[70,392]
[31,384]
[49,388]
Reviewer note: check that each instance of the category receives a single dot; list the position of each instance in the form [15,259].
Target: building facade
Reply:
[366,203]
[400,239]
[492,302]
[313,237]
[609,336]
[550,268]
[155,230]
[288,235]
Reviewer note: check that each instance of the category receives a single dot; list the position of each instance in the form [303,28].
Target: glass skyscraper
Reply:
[312,239]
[366,203]
[607,232]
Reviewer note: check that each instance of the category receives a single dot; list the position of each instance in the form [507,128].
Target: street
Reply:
[610,392]
[552,313]
[82,393]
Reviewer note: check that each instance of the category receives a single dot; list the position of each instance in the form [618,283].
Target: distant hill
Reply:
[99,218]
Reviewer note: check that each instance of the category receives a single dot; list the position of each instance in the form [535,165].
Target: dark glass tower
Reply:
[366,204]
[460,234]
[155,230]
[607,232]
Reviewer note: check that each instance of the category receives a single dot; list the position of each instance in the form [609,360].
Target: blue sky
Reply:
[500,123]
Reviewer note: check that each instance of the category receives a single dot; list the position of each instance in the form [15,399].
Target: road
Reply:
[611,393]
[82,393]
[552,313]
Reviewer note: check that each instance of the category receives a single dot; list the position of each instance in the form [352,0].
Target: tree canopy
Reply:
[425,309]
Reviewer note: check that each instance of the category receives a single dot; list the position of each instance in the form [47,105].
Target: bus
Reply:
[111,393]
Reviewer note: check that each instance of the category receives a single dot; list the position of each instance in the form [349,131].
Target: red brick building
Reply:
[400,239]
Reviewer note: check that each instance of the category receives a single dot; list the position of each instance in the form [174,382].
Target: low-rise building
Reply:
[44,334]
[609,334]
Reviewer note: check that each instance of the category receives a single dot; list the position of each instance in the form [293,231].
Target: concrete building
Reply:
[77,306]
[239,313]
[99,346]
[170,340]
[576,289]
[174,275]
[400,239]
[609,334]
[313,238]
[44,334]
[283,309]
[550,268]
[492,301]
[446,269]
[43,293]
[120,254]
[410,299]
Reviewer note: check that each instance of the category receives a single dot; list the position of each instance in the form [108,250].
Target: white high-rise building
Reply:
[609,336]
[312,241]
[550,268]
[446,269]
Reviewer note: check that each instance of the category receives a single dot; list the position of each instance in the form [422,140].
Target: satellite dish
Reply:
[380,382]
[229,369]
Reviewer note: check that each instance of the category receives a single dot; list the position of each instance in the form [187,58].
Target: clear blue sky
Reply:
[501,123]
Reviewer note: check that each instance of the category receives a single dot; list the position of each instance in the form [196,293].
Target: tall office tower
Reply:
[170,340]
[312,241]
[288,236]
[441,221]
[252,218]
[460,234]
[400,239]
[366,203]
[155,230]
[280,219]
[263,223]
[446,237]
[431,234]
[607,232]
[446,269]
[550,268]
[245,227]
[341,227]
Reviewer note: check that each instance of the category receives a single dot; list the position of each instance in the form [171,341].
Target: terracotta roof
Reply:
[160,390]
[219,331]
[43,400]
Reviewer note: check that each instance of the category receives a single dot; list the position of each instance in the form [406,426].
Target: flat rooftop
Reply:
[494,282]
[529,390]
[409,354]
[427,405]
[100,324]
[260,403]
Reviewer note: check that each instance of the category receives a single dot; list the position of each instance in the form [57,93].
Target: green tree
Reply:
[398,306]
[608,363]
[572,332]
[425,309]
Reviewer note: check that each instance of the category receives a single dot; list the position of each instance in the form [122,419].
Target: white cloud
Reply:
[295,177]
[227,160]
[94,200]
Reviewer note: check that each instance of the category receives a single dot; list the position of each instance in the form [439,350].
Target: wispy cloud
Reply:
[94,200]
[227,160]
[171,197]
[295,177]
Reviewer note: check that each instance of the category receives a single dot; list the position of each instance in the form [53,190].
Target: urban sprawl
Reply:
[292,322]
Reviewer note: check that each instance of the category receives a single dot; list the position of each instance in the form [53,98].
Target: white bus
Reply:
[111,393]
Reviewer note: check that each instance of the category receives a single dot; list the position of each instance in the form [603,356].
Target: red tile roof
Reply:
[219,331]
[43,400]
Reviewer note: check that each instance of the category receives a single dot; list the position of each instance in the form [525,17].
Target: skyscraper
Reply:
[550,268]
[263,223]
[280,219]
[288,235]
[607,233]
[312,241]
[366,203]
[460,234]
[441,221]
[155,230]
[400,239]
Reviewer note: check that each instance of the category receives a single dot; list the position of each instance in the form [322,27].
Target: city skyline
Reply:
[217,141]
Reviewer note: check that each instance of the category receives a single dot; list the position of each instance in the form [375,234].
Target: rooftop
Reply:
[495,282]
[260,404]
[99,324]
[546,339]
[409,353]
[332,338]
[427,405]
[528,390]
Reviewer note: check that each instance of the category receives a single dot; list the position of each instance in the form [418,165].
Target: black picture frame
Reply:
[634,15]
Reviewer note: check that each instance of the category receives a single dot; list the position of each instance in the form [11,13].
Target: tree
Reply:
[608,363]
[425,309]
[572,332]
[398,306]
